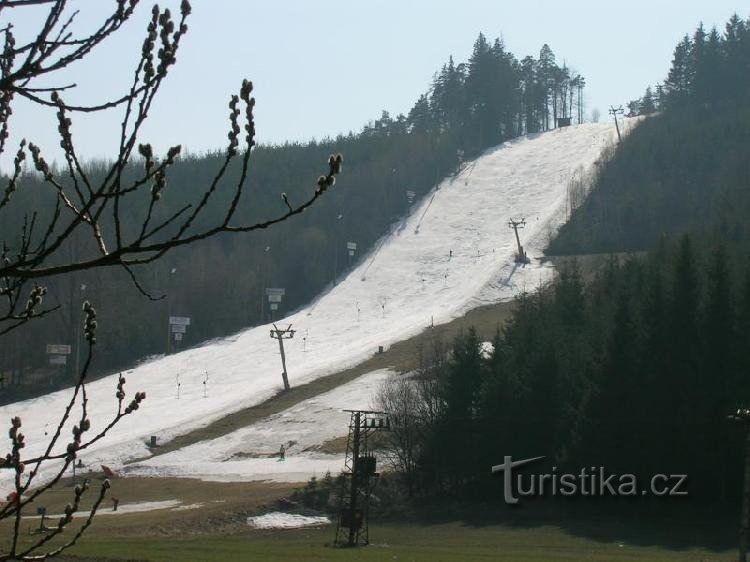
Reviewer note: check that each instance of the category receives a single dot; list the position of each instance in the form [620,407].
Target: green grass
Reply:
[410,542]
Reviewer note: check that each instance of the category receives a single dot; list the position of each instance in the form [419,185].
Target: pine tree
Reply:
[647,105]
[736,61]
[462,393]
[717,385]
[546,80]
[530,97]
[678,81]
[742,357]
[420,117]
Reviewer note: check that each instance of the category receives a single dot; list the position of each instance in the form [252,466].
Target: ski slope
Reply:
[452,253]
[252,453]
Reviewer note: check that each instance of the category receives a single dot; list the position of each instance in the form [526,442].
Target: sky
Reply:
[326,67]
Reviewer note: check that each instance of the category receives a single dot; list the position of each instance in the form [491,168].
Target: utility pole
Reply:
[282,335]
[360,468]
[353,528]
[743,416]
[615,111]
[515,224]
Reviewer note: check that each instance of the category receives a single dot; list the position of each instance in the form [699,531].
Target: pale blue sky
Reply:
[324,67]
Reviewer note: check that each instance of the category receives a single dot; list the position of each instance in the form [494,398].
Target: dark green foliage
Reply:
[319,494]
[708,71]
[634,372]
[684,170]
[495,97]
[675,173]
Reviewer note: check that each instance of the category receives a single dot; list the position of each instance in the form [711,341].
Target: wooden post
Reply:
[282,335]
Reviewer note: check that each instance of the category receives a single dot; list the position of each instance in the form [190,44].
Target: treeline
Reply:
[636,372]
[220,283]
[684,170]
[494,96]
[708,71]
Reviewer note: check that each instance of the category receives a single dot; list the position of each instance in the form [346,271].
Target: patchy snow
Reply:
[122,509]
[252,453]
[486,349]
[453,253]
[188,507]
[279,520]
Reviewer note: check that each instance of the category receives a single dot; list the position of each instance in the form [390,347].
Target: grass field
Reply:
[217,531]
[442,542]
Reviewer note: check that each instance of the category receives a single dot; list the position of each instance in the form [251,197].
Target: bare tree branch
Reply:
[88,210]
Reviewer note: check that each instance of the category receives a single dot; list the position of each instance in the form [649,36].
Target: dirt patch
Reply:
[335,446]
[223,506]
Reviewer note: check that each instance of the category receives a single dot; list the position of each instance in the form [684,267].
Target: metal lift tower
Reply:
[359,473]
[515,224]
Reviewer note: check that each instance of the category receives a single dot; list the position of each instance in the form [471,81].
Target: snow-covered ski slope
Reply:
[454,252]
[252,453]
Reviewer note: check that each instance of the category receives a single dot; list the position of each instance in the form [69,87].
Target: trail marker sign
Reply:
[178,329]
[179,321]
[58,349]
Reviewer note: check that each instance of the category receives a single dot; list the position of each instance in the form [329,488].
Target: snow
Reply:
[188,507]
[251,453]
[279,520]
[122,509]
[453,253]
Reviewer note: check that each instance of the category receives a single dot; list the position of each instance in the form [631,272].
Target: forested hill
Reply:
[687,167]
[220,283]
[638,368]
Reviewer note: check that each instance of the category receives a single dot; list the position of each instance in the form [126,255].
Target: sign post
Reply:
[351,248]
[58,349]
[275,295]
[177,329]
[58,355]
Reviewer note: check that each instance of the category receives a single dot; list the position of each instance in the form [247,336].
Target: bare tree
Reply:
[93,210]
[414,404]
[399,397]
